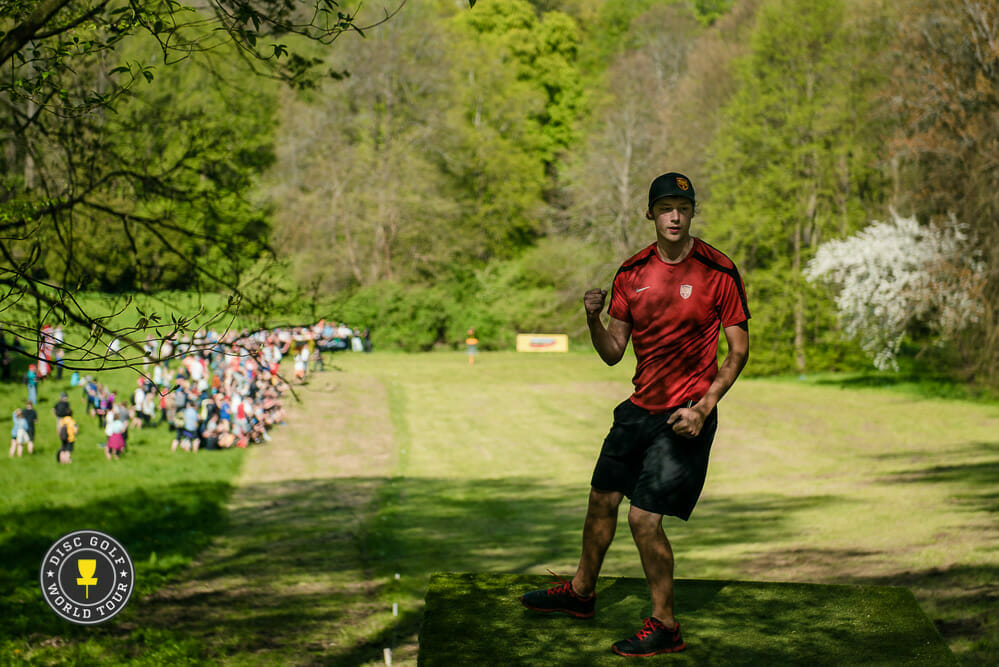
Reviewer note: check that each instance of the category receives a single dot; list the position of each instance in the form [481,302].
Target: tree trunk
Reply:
[799,303]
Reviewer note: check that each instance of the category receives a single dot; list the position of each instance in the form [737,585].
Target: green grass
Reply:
[725,623]
[448,467]
[165,507]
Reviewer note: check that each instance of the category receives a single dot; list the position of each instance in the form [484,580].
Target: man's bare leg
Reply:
[598,533]
[657,561]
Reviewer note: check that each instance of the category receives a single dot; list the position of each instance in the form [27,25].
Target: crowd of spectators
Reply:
[211,391]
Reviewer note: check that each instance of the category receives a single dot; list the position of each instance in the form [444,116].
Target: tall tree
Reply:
[790,164]
[357,193]
[628,143]
[517,98]
[92,155]
[945,94]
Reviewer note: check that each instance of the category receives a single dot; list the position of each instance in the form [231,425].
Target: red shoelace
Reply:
[649,627]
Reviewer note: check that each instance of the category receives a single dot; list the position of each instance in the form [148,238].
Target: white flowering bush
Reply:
[896,275]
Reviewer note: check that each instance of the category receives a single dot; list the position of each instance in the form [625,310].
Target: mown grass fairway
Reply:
[415,464]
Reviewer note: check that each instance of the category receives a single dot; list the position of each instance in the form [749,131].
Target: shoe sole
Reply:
[675,649]
[574,614]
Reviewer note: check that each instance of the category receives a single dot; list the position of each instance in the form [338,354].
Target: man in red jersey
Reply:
[670,300]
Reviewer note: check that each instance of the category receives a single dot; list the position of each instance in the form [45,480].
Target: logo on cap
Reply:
[682,183]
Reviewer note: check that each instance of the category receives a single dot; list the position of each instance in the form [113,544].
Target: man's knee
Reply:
[644,522]
[605,502]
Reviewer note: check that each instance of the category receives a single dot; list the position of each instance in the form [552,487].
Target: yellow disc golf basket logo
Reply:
[87,577]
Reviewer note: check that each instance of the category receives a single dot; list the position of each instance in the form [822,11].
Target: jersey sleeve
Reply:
[619,308]
[733,307]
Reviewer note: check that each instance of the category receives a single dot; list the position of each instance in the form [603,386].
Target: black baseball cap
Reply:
[672,184]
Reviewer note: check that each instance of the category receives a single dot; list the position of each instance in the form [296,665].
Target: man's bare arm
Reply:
[688,421]
[612,340]
[738,354]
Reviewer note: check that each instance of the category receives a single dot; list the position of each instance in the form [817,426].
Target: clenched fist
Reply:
[593,301]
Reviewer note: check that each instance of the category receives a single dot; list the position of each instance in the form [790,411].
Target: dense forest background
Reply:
[449,167]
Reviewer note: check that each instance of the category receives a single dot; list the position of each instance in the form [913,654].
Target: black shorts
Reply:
[657,469]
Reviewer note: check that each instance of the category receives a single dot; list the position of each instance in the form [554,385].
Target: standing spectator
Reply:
[5,362]
[19,435]
[59,365]
[138,398]
[104,404]
[30,418]
[31,379]
[189,436]
[301,363]
[68,429]
[472,345]
[168,408]
[166,352]
[148,407]
[356,343]
[61,408]
[115,431]
[317,359]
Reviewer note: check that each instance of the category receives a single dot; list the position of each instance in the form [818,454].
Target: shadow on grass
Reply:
[162,527]
[917,384]
[303,571]
[973,483]
[730,623]
[312,563]
[961,600]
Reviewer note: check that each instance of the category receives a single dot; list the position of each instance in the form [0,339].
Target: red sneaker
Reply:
[560,598]
[652,639]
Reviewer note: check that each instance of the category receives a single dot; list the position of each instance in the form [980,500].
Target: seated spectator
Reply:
[226,437]
[134,417]
[210,433]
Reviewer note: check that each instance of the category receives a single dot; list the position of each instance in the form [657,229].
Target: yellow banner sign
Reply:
[535,342]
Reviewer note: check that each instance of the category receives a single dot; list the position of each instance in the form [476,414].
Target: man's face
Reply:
[672,216]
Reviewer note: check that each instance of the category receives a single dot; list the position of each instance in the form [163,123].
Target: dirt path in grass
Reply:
[289,580]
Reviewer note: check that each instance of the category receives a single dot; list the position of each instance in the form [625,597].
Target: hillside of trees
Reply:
[426,166]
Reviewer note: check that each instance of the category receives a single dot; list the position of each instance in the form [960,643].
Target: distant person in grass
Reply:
[471,346]
[19,434]
[31,419]
[670,300]
[68,429]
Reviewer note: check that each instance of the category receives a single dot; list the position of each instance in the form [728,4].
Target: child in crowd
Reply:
[115,431]
[19,435]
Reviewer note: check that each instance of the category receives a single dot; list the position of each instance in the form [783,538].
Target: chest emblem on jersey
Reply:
[686,290]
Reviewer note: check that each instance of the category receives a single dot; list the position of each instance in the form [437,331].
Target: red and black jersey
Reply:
[675,311]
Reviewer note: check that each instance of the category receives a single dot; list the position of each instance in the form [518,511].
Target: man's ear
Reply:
[648,215]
